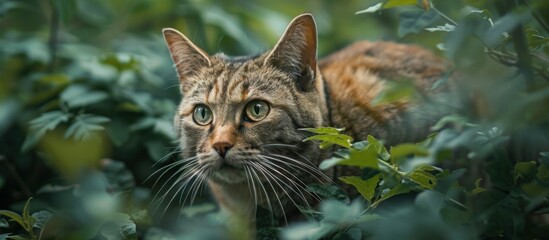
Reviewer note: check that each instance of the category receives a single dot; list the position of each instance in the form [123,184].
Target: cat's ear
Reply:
[187,57]
[295,51]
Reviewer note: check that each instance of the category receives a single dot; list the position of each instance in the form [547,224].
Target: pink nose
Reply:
[222,147]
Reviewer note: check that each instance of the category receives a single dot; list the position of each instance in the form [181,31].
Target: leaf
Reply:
[84,125]
[120,227]
[422,178]
[371,9]
[365,158]
[351,234]
[399,3]
[454,119]
[413,21]
[42,218]
[398,189]
[430,200]
[525,170]
[80,96]
[29,221]
[337,139]
[407,149]
[328,191]
[396,91]
[444,28]
[366,188]
[13,216]
[118,132]
[4,223]
[39,126]
[323,130]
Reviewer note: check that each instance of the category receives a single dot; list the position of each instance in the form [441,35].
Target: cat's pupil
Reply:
[202,113]
[257,109]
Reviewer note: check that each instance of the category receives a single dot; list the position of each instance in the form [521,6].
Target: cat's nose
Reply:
[222,147]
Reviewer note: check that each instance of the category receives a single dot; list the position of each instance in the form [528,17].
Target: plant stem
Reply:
[443,15]
[54,35]
[17,177]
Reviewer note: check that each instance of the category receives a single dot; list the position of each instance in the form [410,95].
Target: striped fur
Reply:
[268,164]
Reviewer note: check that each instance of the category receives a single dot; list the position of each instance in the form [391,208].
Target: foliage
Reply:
[88,92]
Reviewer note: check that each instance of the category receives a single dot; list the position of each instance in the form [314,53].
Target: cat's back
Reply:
[357,74]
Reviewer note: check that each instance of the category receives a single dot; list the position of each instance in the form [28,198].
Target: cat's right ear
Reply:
[187,57]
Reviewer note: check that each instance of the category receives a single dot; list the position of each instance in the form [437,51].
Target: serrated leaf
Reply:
[413,21]
[84,125]
[47,121]
[371,9]
[399,3]
[407,149]
[366,188]
[444,28]
[80,96]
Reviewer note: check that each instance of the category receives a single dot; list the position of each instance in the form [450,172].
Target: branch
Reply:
[54,36]
[17,177]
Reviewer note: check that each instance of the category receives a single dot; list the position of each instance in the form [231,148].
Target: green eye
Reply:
[256,110]
[202,115]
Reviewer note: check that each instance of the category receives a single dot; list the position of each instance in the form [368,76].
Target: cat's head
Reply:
[241,115]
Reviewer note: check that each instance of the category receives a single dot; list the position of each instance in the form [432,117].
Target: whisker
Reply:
[261,170]
[253,167]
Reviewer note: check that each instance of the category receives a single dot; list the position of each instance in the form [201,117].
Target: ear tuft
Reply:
[295,51]
[187,57]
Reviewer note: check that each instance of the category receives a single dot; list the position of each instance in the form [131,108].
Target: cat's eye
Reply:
[202,115]
[256,110]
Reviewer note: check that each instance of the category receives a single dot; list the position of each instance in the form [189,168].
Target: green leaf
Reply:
[396,91]
[328,191]
[84,125]
[337,139]
[42,218]
[13,216]
[399,3]
[543,173]
[365,158]
[39,126]
[525,170]
[424,179]
[118,131]
[444,28]
[401,151]
[398,189]
[371,9]
[29,221]
[4,223]
[80,96]
[323,130]
[413,21]
[431,200]
[198,209]
[366,188]
[454,119]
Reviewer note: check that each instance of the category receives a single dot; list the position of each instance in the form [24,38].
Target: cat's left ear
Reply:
[295,51]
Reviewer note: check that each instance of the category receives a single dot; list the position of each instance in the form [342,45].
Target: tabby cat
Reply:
[240,120]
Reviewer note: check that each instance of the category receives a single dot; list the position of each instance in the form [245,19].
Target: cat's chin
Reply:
[228,175]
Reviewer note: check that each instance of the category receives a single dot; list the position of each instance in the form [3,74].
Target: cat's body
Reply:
[240,119]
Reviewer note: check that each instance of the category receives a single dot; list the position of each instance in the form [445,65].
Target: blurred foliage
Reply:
[88,91]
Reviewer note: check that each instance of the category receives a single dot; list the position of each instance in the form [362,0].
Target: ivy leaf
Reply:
[413,21]
[371,9]
[39,126]
[84,125]
[79,96]
[366,188]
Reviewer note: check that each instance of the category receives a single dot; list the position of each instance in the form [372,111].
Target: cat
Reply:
[240,119]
